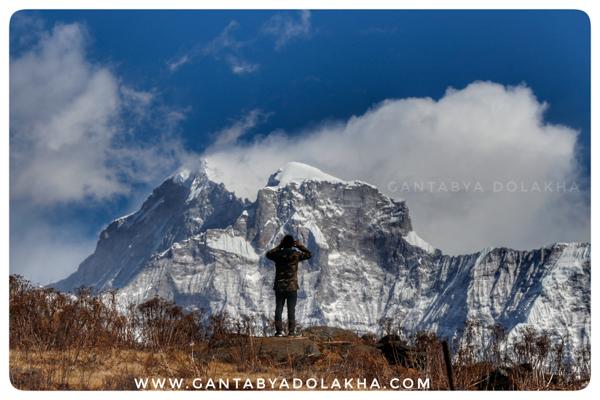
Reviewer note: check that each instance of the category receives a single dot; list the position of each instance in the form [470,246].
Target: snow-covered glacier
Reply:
[195,242]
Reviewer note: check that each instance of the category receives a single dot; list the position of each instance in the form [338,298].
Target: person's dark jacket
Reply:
[286,266]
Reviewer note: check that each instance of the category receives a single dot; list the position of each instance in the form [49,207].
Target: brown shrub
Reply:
[63,341]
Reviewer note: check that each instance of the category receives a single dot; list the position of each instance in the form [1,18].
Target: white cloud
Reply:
[484,133]
[68,138]
[285,28]
[75,140]
[225,41]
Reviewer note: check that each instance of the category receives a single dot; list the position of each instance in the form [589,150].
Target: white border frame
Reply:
[8,7]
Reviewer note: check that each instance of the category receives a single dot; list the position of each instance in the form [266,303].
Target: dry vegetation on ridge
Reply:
[59,341]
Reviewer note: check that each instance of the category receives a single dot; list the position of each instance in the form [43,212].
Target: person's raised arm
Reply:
[272,254]
[304,252]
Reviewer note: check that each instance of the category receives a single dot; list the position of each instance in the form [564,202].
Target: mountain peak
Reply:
[195,243]
[295,171]
[188,172]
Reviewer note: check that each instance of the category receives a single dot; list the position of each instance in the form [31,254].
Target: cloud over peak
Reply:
[436,154]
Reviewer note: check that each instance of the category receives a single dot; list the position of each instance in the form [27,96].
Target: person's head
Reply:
[287,241]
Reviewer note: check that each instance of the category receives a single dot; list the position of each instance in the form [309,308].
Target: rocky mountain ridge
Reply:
[197,243]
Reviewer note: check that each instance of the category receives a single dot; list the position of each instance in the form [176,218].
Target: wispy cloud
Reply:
[229,135]
[223,47]
[225,41]
[285,28]
[175,64]
[240,67]
[281,28]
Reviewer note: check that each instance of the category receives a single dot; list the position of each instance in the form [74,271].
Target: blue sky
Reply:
[183,78]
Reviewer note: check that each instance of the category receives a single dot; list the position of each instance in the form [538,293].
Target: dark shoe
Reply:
[278,328]
[292,328]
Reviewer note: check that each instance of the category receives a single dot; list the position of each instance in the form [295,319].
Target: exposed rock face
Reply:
[196,243]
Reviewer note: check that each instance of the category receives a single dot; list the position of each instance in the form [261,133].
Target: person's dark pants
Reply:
[281,298]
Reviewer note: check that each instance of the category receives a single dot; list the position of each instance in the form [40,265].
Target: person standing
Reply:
[286,256]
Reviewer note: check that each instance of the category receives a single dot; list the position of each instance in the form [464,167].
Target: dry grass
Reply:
[78,342]
[116,370]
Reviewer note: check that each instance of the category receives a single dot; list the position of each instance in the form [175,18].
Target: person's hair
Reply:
[287,241]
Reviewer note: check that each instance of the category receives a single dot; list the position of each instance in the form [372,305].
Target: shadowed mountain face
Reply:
[182,206]
[196,243]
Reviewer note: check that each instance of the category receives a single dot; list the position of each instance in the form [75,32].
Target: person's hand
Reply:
[297,243]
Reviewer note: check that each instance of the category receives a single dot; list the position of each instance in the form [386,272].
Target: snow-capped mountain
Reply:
[184,205]
[195,242]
